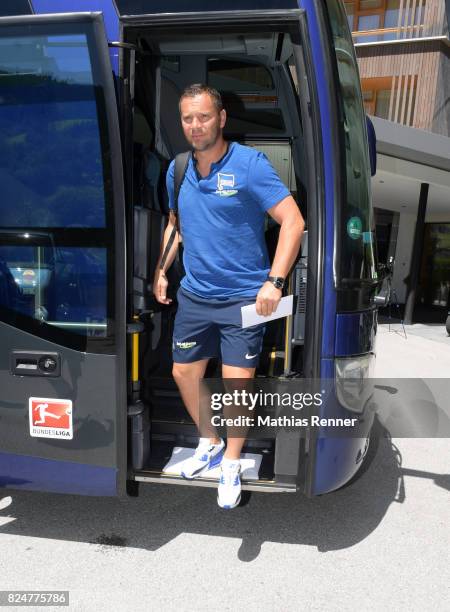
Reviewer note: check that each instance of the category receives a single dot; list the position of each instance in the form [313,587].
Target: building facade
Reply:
[404,60]
[403,52]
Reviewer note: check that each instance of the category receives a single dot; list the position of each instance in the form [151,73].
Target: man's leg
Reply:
[194,343]
[234,445]
[240,348]
[187,377]
[209,451]
[229,489]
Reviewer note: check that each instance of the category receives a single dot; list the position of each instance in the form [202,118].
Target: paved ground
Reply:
[381,543]
[414,351]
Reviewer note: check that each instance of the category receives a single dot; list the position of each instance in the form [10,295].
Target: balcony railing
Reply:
[365,36]
[411,19]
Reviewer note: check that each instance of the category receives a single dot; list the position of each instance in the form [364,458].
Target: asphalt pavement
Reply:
[380,543]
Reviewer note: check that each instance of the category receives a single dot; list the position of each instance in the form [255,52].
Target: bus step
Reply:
[161,451]
[267,486]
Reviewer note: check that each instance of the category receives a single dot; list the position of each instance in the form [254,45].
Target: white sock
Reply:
[229,463]
[206,441]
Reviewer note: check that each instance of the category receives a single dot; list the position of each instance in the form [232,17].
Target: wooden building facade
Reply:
[403,53]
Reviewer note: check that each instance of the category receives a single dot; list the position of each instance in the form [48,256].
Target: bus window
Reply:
[237,75]
[50,155]
[64,287]
[15,7]
[235,79]
[355,233]
[53,165]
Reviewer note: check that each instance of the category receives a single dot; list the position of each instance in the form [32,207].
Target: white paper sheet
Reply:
[251,317]
[250,464]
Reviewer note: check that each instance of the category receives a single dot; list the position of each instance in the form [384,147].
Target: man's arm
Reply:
[288,215]
[160,282]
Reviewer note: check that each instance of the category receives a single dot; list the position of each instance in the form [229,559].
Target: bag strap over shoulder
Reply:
[181,164]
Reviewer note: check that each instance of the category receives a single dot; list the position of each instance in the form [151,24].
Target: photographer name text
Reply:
[281,421]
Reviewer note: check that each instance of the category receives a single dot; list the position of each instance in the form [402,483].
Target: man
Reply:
[225,194]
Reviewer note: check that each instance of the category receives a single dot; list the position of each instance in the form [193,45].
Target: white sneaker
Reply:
[206,457]
[229,491]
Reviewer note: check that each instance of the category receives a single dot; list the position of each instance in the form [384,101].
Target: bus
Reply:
[89,122]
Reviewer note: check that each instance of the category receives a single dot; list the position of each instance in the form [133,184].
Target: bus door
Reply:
[62,259]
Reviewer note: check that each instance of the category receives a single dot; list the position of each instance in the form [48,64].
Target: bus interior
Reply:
[256,73]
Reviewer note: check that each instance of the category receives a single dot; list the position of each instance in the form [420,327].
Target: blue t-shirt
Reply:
[222,223]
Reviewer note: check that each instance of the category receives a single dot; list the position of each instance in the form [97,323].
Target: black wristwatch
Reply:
[277,281]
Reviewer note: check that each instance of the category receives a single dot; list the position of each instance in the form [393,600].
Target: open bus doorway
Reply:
[253,69]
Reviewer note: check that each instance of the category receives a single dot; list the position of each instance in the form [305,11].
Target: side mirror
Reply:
[382,271]
[372,138]
[382,295]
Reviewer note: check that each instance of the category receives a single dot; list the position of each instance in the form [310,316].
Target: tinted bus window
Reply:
[355,232]
[236,75]
[63,287]
[50,156]
[56,222]
[234,78]
[15,7]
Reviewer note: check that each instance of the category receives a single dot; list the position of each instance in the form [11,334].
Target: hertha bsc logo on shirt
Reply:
[223,181]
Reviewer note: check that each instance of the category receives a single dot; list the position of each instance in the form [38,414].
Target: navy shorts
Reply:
[206,328]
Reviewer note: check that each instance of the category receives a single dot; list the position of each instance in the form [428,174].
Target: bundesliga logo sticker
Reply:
[50,418]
